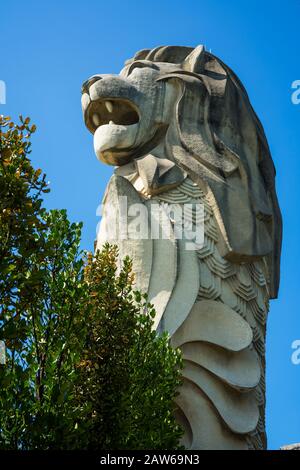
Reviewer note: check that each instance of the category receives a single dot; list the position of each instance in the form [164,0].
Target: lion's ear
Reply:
[194,62]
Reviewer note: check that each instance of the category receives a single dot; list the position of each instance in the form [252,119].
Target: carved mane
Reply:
[223,144]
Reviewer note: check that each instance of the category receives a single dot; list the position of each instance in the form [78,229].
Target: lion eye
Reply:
[142,64]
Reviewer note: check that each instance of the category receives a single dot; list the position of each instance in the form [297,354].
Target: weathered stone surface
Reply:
[185,290]
[214,323]
[241,370]
[179,127]
[164,271]
[140,250]
[158,175]
[238,410]
[212,434]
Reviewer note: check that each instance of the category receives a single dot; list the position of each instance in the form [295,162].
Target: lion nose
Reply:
[86,85]
[95,78]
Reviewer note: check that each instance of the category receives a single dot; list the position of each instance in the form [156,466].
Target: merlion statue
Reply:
[179,129]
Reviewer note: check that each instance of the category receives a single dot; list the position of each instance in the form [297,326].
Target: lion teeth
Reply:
[96,119]
[109,106]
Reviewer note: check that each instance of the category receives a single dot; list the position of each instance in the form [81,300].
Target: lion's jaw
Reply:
[128,115]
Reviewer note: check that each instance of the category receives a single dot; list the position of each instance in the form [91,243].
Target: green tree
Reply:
[84,369]
[128,373]
[41,292]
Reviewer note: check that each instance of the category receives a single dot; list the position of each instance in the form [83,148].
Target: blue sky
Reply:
[49,48]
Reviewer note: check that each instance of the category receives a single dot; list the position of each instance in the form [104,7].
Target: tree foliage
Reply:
[127,372]
[84,368]
[41,291]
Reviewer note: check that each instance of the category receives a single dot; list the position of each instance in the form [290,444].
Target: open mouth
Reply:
[110,111]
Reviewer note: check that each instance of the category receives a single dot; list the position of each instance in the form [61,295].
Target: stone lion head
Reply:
[186,105]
